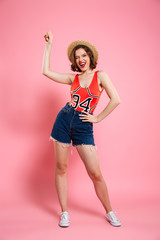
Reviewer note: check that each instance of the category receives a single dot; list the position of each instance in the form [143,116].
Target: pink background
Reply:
[126,34]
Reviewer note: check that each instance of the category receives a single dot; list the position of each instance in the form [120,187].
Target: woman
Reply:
[75,121]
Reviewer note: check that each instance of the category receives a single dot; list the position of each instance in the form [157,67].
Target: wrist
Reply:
[97,119]
[48,44]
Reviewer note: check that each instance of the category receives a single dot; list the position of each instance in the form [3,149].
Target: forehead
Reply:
[79,51]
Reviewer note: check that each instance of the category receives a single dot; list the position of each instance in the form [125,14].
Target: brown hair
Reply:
[74,66]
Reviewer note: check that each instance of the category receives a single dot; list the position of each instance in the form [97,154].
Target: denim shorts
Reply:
[68,127]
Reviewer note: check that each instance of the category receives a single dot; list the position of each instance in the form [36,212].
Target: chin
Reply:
[84,69]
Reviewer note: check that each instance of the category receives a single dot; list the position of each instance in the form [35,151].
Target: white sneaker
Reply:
[64,222]
[112,219]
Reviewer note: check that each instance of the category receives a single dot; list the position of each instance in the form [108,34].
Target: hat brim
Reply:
[82,42]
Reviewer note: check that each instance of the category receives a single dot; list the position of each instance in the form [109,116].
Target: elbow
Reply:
[116,101]
[44,70]
[44,73]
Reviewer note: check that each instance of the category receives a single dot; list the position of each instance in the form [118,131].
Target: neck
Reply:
[86,72]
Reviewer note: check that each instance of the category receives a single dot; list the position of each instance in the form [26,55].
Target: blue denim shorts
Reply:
[68,127]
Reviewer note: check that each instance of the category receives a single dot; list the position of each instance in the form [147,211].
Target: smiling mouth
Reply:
[82,64]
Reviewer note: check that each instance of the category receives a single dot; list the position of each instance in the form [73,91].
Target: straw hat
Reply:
[82,42]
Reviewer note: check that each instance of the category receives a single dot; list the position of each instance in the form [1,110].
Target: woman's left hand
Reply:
[88,117]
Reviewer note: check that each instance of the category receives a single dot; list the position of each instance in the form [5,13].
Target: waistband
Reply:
[70,108]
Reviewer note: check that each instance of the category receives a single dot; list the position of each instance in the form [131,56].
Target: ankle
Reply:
[109,210]
[64,210]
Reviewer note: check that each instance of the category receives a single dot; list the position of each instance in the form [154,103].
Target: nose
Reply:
[81,58]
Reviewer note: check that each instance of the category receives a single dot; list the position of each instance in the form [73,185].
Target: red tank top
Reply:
[85,99]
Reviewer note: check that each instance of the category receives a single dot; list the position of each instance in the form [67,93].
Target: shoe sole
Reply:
[64,226]
[112,223]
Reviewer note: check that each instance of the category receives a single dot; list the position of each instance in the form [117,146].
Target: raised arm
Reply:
[65,78]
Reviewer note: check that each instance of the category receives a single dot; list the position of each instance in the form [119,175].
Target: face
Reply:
[82,59]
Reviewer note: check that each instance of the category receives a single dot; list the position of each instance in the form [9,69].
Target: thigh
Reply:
[61,154]
[89,157]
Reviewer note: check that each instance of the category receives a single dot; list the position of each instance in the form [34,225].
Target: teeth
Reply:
[82,64]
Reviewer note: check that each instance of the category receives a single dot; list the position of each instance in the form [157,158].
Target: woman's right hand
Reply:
[48,37]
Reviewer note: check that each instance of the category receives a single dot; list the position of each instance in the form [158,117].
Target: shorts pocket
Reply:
[86,127]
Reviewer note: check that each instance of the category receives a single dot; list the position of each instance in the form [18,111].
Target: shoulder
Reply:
[72,77]
[104,79]
[102,75]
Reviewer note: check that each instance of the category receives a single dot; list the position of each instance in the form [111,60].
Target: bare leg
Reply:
[89,157]
[61,162]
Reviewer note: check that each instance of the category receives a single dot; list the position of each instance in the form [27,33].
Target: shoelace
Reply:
[63,215]
[113,217]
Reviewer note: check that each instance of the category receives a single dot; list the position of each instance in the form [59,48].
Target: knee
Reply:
[61,168]
[96,176]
